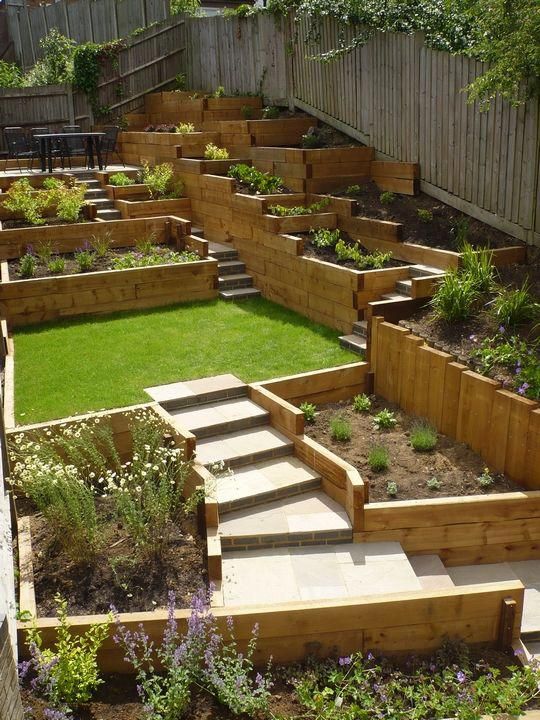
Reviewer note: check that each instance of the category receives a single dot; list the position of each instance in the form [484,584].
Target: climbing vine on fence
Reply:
[88,60]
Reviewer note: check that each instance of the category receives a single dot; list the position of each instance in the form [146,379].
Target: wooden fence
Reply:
[406,100]
[82,20]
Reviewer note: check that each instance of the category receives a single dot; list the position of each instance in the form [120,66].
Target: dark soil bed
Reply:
[440,232]
[19,224]
[329,254]
[454,465]
[118,576]
[244,189]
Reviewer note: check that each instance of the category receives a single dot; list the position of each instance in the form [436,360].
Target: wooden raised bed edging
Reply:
[36,300]
[141,208]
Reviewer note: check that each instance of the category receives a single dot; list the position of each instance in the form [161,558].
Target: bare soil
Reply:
[440,232]
[454,465]
[118,575]
[329,254]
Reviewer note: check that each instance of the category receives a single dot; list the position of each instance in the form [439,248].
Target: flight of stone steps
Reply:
[357,340]
[233,281]
[98,197]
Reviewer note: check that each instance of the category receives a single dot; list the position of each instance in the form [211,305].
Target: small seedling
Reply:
[387,198]
[219,92]
[185,128]
[57,265]
[353,190]
[309,410]
[85,260]
[434,483]
[425,215]
[361,403]
[324,238]
[423,436]
[27,265]
[378,458]
[486,479]
[120,179]
[392,488]
[384,420]
[340,428]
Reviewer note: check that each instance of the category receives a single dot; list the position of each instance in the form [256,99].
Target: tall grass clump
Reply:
[423,436]
[455,298]
[378,458]
[340,428]
[477,266]
[513,307]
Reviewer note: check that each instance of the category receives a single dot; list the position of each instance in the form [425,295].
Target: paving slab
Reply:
[222,414]
[244,444]
[431,572]
[192,388]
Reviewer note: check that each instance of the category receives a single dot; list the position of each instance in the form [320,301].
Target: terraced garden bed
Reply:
[450,469]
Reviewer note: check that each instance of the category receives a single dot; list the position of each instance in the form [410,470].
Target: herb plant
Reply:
[256,181]
[22,199]
[340,428]
[324,238]
[158,256]
[363,261]
[384,420]
[309,410]
[282,211]
[519,357]
[161,182]
[85,259]
[485,479]
[378,458]
[361,403]
[433,483]
[28,265]
[213,152]
[387,197]
[423,436]
[185,128]
[56,265]
[392,488]
[513,307]
[70,201]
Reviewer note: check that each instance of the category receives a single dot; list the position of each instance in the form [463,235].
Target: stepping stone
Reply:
[318,572]
[222,416]
[194,392]
[263,482]
[307,519]
[431,572]
[243,447]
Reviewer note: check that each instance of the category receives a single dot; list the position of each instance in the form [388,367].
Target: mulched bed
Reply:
[329,254]
[452,463]
[118,576]
[436,233]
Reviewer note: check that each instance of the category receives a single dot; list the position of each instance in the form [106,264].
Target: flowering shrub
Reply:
[68,674]
[201,657]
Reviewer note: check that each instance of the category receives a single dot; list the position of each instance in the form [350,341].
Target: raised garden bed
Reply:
[454,467]
[366,260]
[134,208]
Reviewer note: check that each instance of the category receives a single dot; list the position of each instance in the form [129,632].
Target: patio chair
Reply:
[18,146]
[58,149]
[75,146]
[108,144]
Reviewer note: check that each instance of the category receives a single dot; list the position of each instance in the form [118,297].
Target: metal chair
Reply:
[18,146]
[108,144]
[75,146]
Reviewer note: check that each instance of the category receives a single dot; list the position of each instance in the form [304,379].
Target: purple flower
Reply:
[472,337]
[460,676]
[522,389]
[502,329]
[345,660]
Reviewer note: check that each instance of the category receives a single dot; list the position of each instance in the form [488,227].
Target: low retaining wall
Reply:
[10,698]
[501,426]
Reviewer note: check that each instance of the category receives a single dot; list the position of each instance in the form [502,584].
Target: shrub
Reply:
[455,298]
[323,238]
[213,152]
[185,128]
[425,215]
[52,183]
[256,181]
[378,458]
[309,410]
[515,306]
[28,265]
[271,112]
[477,267]
[85,259]
[56,265]
[486,479]
[67,674]
[423,436]
[387,198]
[160,181]
[361,403]
[433,483]
[384,420]
[69,202]
[22,199]
[340,428]
[391,488]
[120,179]
[10,75]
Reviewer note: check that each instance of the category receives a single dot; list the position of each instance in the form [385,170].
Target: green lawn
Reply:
[75,366]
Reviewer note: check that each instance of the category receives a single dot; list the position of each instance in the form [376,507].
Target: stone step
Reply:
[197,392]
[424,270]
[239,294]
[219,251]
[311,518]
[230,267]
[431,572]
[354,342]
[95,193]
[109,214]
[532,649]
[394,296]
[404,287]
[103,203]
[90,182]
[221,416]
[237,280]
[263,482]
[243,447]
[198,231]
[360,328]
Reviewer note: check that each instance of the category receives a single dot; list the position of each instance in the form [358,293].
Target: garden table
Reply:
[92,142]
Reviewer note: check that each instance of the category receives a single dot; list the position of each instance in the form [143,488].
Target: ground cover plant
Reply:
[213,152]
[337,247]
[426,220]
[253,181]
[106,529]
[282,211]
[56,202]
[388,459]
[123,353]
[120,179]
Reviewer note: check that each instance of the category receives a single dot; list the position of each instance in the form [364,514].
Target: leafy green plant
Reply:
[387,198]
[22,200]
[392,488]
[66,674]
[101,244]
[477,266]
[324,238]
[309,410]
[425,215]
[44,251]
[256,181]
[146,244]
[88,59]
[160,181]
[423,436]
[156,256]
[455,298]
[513,307]
[353,190]
[282,211]
[185,128]
[219,92]
[520,357]
[242,11]
[52,183]
[70,202]
[384,420]
[10,74]
[247,111]
[189,7]
[379,458]
[361,403]
[271,112]
[120,179]
[340,428]
[485,479]
[364,261]
[85,259]
[312,139]
[213,152]
[56,265]
[433,483]
[180,82]
[28,265]
[56,65]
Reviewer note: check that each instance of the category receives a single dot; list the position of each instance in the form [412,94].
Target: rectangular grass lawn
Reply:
[75,366]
